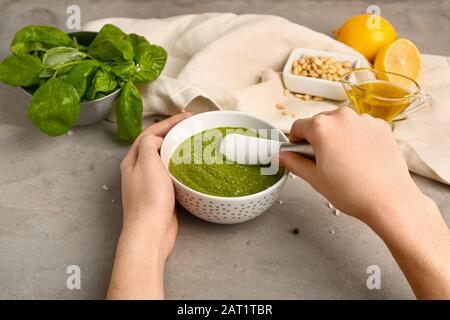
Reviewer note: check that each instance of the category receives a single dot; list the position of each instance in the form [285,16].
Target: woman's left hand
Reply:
[149,218]
[147,191]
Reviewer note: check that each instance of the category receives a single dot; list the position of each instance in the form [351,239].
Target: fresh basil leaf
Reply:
[39,38]
[60,55]
[129,112]
[103,82]
[32,89]
[46,73]
[49,72]
[136,40]
[100,95]
[124,70]
[20,70]
[79,46]
[81,75]
[150,60]
[111,44]
[106,67]
[54,107]
[63,70]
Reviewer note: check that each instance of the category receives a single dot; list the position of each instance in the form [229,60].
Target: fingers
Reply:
[161,128]
[150,139]
[299,130]
[306,129]
[149,146]
[298,165]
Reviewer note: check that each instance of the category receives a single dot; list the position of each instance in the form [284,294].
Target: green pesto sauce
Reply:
[213,178]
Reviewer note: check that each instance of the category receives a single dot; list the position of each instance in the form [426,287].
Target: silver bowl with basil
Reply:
[96,110]
[74,78]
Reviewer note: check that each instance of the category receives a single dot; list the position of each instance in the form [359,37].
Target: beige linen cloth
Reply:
[233,62]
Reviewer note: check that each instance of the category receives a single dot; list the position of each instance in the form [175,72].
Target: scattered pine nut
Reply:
[294,115]
[284,113]
[279,106]
[105,187]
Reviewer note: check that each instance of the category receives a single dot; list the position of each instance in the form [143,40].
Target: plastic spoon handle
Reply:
[303,149]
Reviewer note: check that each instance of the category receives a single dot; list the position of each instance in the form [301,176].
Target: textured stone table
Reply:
[54,212]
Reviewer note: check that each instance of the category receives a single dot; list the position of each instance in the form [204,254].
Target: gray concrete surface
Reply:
[54,213]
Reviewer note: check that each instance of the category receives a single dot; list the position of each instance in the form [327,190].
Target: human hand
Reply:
[359,167]
[149,218]
[147,191]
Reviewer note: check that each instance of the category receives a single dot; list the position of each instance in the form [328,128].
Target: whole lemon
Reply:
[366,34]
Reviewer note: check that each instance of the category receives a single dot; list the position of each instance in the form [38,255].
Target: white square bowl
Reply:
[316,87]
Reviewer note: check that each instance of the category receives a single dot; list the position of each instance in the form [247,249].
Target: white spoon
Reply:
[242,149]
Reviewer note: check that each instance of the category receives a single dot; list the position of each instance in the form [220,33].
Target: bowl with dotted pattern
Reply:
[225,210]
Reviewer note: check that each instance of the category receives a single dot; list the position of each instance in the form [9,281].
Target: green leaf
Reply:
[55,107]
[61,55]
[150,60]
[39,38]
[103,82]
[124,70]
[32,89]
[22,70]
[80,77]
[111,44]
[100,95]
[129,112]
[136,40]
[46,73]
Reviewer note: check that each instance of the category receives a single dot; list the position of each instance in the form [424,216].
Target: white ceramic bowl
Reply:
[313,86]
[226,210]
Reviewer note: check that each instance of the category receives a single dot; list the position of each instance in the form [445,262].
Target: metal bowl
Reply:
[96,110]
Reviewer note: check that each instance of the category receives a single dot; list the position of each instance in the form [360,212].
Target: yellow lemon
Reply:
[366,34]
[401,56]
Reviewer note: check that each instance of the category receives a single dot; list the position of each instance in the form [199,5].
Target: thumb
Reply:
[298,165]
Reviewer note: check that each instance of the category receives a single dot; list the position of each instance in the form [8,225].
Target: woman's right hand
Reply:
[359,167]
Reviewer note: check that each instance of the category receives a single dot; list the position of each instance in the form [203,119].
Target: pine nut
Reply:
[321,67]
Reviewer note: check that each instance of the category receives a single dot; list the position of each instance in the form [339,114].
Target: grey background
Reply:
[54,213]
